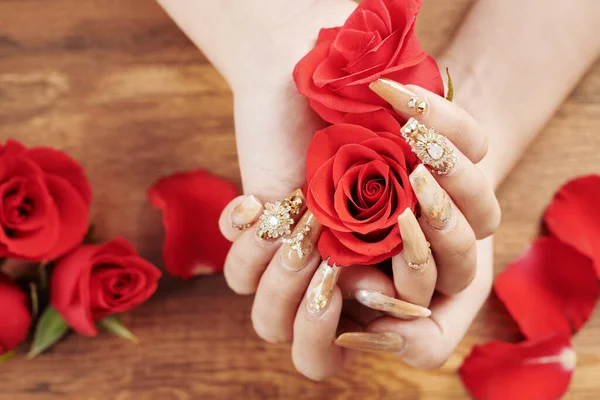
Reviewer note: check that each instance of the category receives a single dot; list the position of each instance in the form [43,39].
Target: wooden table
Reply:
[119,87]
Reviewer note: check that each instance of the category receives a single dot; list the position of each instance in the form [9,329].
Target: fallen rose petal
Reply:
[551,289]
[537,369]
[191,203]
[574,216]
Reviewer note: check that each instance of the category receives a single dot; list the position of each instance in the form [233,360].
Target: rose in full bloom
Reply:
[378,40]
[45,200]
[15,317]
[191,203]
[95,281]
[357,174]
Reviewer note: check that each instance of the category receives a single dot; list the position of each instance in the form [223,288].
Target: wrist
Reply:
[281,38]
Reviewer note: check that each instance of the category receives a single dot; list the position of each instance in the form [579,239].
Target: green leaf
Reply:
[50,329]
[450,94]
[35,300]
[7,356]
[113,325]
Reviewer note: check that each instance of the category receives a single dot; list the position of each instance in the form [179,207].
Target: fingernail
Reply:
[277,218]
[432,148]
[298,248]
[321,288]
[395,307]
[435,203]
[246,212]
[415,247]
[376,342]
[400,97]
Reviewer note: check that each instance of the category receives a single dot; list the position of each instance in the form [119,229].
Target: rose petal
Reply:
[538,369]
[191,203]
[551,289]
[574,216]
[425,74]
[15,317]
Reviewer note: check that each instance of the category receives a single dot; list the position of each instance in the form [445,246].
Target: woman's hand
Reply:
[457,207]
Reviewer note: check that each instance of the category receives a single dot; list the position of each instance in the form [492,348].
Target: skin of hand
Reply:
[272,165]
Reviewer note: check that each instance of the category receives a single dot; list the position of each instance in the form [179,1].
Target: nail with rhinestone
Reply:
[400,97]
[299,246]
[320,290]
[432,148]
[277,218]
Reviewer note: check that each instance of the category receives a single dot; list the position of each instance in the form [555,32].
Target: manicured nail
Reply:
[432,148]
[395,307]
[375,342]
[298,248]
[277,218]
[246,212]
[400,97]
[415,247]
[321,288]
[435,203]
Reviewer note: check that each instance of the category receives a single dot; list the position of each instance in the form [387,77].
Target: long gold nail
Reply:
[297,248]
[374,342]
[400,97]
[390,305]
[277,218]
[431,147]
[321,288]
[246,212]
[434,201]
[415,247]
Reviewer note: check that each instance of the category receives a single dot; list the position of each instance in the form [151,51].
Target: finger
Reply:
[431,341]
[414,269]
[445,227]
[284,282]
[239,215]
[461,179]
[255,247]
[313,352]
[372,288]
[427,107]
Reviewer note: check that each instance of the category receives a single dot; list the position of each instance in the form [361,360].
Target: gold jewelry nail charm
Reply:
[431,147]
[276,219]
[295,242]
[420,107]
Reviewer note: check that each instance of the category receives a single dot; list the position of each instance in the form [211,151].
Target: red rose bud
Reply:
[46,201]
[378,40]
[191,203]
[95,281]
[15,317]
[358,185]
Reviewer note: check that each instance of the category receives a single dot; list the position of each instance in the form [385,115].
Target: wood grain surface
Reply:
[118,86]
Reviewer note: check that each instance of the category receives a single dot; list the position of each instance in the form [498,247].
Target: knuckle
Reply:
[314,374]
[464,248]
[492,217]
[233,264]
[268,332]
[430,358]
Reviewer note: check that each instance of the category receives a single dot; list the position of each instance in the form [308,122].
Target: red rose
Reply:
[44,202]
[357,174]
[377,40]
[15,317]
[95,281]
[191,203]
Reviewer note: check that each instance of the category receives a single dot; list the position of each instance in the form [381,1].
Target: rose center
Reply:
[17,207]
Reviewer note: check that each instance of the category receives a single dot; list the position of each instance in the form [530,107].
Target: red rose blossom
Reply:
[44,202]
[15,317]
[95,281]
[378,40]
[357,174]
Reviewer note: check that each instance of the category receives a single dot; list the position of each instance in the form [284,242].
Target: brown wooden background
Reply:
[119,87]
